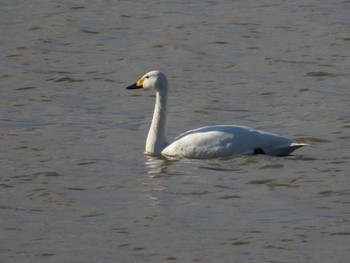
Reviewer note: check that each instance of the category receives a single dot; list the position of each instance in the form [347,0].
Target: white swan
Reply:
[206,142]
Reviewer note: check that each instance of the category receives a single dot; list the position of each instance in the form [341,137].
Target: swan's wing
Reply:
[201,144]
[225,140]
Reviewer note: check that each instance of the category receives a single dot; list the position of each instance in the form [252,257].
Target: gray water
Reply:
[75,185]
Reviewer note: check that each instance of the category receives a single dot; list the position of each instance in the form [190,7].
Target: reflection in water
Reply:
[158,165]
[165,185]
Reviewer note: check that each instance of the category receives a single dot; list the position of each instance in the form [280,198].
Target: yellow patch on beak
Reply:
[140,81]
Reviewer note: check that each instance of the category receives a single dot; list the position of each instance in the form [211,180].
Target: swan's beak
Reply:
[138,84]
[134,86]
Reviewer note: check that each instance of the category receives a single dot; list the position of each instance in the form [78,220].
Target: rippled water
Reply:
[75,185]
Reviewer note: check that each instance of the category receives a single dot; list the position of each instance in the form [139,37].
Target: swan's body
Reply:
[206,142]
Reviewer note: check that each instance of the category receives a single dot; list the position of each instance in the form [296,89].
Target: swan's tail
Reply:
[296,145]
[284,150]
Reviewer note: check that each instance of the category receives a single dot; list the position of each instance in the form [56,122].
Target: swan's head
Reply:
[151,80]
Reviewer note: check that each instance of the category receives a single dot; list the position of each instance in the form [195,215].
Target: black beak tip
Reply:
[134,86]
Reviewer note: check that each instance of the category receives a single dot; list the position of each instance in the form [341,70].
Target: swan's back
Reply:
[226,140]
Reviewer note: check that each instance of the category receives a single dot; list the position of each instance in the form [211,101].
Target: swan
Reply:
[206,142]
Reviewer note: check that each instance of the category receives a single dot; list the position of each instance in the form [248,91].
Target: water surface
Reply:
[75,185]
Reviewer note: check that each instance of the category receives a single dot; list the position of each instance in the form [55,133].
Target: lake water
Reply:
[75,185]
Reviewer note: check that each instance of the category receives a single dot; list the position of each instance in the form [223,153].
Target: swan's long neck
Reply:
[156,138]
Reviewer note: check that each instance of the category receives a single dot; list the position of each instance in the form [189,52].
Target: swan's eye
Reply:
[147,77]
